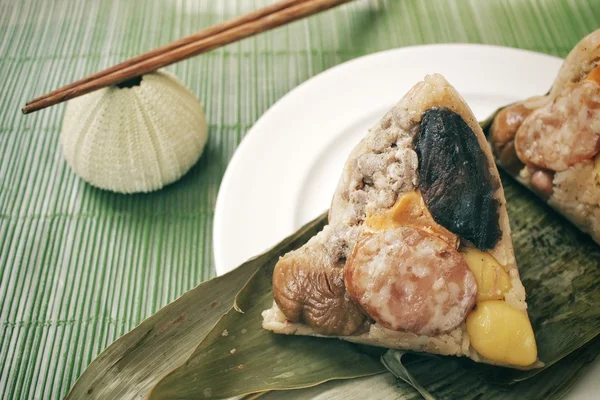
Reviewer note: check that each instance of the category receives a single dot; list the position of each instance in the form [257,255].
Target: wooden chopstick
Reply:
[250,24]
[178,43]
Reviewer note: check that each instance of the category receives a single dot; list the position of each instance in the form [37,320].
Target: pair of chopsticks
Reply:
[227,32]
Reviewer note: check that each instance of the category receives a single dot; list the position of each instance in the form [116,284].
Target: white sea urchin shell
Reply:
[134,139]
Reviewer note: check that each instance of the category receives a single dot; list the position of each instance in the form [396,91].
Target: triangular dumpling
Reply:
[551,143]
[417,254]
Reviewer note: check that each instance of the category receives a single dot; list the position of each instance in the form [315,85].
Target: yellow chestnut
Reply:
[502,333]
[492,281]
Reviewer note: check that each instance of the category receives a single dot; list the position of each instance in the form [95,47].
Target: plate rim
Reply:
[251,135]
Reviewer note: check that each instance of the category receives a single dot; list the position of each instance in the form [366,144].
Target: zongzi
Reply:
[417,254]
[551,144]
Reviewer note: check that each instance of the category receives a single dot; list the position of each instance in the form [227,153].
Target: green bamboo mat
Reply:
[79,267]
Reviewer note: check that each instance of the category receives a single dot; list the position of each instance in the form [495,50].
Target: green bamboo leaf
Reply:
[394,363]
[239,357]
[553,383]
[450,379]
[486,124]
[560,268]
[134,363]
[384,386]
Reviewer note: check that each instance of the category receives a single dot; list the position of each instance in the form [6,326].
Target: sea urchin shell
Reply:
[134,138]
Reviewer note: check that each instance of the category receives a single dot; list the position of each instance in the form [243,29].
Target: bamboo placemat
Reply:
[79,267]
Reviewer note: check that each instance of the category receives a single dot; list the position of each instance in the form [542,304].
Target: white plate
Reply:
[285,171]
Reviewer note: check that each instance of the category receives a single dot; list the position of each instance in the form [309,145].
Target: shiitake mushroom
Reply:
[455,178]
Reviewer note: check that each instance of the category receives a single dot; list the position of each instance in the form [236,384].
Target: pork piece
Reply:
[541,182]
[503,132]
[564,132]
[411,280]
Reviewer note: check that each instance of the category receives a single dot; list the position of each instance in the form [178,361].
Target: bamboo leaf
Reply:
[486,124]
[558,264]
[560,268]
[134,363]
[239,357]
[393,362]
[383,386]
[552,383]
[449,378]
